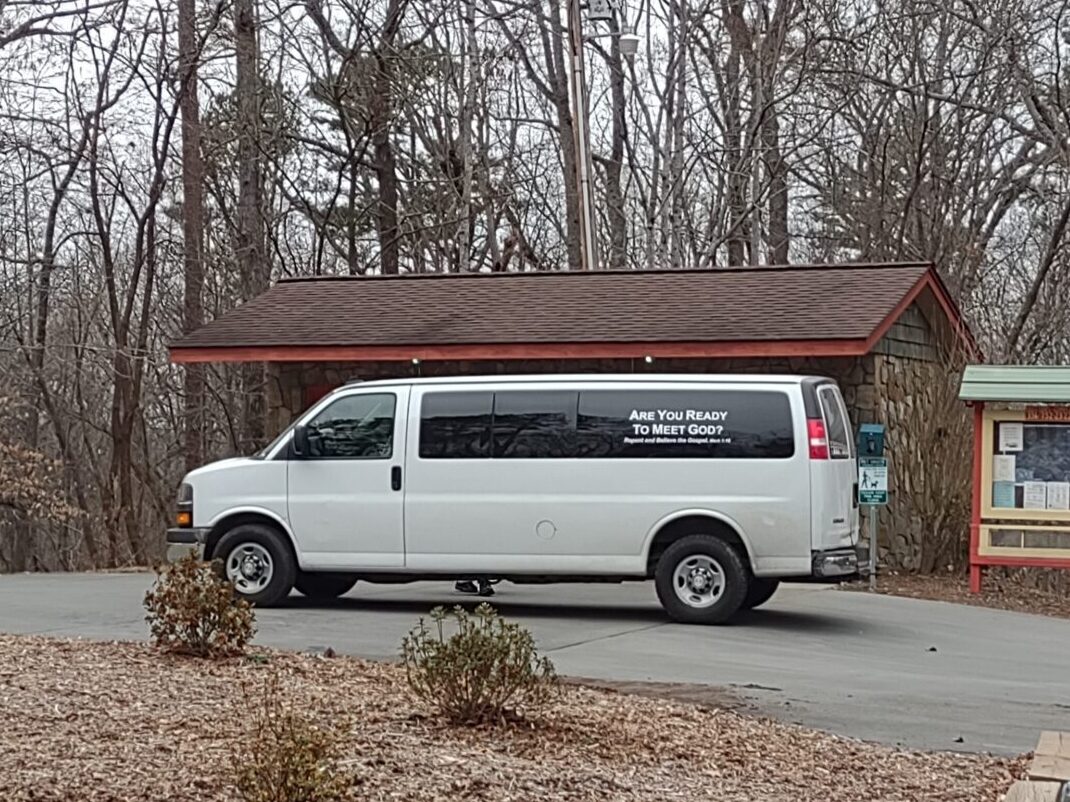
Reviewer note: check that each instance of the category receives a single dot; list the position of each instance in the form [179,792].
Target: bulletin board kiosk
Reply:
[1021,467]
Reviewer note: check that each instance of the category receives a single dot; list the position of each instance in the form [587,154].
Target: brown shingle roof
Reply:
[842,302]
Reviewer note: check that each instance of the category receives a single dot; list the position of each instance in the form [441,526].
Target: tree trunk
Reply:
[192,229]
[249,236]
[737,173]
[677,248]
[470,83]
[777,178]
[384,159]
[559,81]
[618,221]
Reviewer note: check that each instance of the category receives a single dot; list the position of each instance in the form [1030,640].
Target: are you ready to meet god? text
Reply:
[692,426]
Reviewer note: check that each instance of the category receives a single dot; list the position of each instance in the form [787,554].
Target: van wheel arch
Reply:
[694,525]
[238,519]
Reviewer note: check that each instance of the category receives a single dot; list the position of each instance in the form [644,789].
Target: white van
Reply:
[717,487]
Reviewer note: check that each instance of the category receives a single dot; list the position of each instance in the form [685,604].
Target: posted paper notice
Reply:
[1011,436]
[1035,495]
[1003,494]
[1059,495]
[1003,466]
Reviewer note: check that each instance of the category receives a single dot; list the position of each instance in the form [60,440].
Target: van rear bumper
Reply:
[836,564]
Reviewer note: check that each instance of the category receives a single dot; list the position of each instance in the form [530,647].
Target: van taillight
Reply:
[819,444]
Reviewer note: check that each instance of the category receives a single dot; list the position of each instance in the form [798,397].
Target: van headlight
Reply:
[184,505]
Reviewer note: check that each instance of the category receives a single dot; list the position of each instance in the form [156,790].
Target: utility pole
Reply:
[582,137]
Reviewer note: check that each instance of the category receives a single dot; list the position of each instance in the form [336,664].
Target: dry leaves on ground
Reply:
[119,721]
[1002,593]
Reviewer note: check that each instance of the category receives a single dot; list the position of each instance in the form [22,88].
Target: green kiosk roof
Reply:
[1023,383]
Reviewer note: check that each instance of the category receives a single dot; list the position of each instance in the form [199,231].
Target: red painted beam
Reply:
[494,351]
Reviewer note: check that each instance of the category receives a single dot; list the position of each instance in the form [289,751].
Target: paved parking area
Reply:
[901,671]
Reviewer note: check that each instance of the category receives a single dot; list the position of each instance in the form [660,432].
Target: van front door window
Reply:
[354,427]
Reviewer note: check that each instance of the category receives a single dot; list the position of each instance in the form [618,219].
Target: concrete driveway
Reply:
[901,671]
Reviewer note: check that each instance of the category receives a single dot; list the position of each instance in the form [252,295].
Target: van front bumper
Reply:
[836,564]
[182,542]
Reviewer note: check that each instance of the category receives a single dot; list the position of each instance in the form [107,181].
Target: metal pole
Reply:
[874,513]
[582,139]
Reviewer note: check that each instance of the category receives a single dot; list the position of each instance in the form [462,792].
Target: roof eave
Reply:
[510,351]
[929,280]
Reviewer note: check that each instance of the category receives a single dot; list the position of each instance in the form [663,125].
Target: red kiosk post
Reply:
[976,569]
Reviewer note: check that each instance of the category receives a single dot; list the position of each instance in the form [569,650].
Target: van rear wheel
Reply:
[700,579]
[322,585]
[258,563]
[760,591]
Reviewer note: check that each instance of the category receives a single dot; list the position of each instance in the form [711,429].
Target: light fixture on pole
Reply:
[597,10]
[629,43]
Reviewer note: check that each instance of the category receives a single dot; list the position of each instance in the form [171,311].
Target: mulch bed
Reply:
[121,722]
[1000,592]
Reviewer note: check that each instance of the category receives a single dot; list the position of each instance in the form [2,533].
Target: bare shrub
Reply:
[487,670]
[286,757]
[191,610]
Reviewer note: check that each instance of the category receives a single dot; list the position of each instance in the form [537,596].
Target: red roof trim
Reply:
[491,351]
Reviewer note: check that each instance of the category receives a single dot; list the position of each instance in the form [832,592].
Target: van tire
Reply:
[708,553]
[324,585]
[265,547]
[760,591]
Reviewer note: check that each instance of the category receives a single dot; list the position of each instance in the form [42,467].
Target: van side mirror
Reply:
[300,441]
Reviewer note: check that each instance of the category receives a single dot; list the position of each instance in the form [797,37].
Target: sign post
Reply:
[873,493]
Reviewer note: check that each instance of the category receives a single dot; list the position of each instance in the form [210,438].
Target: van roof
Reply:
[588,378]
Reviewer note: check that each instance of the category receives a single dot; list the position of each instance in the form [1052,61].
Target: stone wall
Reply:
[929,446]
[291,385]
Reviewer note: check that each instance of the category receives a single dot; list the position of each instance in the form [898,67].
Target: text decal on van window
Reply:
[683,426]
[623,423]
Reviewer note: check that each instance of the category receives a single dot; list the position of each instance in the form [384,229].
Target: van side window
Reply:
[455,425]
[535,424]
[668,424]
[354,427]
[839,435]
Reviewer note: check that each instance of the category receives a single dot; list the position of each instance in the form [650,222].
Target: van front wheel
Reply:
[700,579]
[258,563]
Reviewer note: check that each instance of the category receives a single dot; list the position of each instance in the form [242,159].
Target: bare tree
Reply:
[189,47]
[249,250]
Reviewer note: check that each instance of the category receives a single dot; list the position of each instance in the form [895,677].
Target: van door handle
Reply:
[395,477]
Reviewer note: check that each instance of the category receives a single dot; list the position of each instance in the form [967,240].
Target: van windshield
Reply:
[262,453]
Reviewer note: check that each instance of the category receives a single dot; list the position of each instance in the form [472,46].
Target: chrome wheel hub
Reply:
[250,568]
[698,580]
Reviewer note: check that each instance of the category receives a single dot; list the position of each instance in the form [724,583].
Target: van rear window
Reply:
[607,424]
[836,425]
